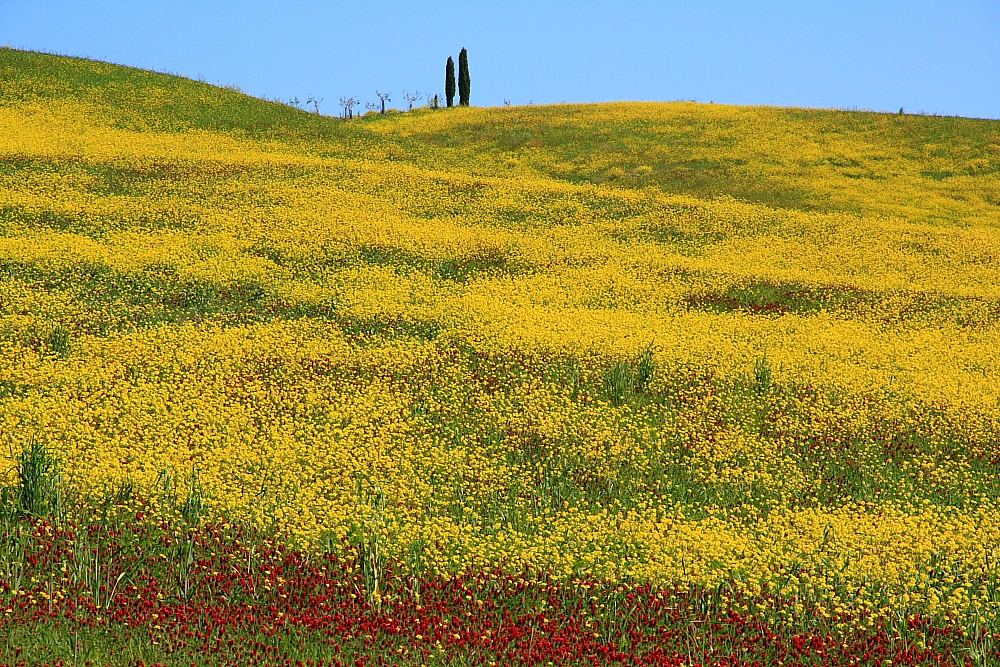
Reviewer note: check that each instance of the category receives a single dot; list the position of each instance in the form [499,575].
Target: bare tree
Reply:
[348,103]
[371,106]
[315,102]
[383,98]
[410,99]
[295,102]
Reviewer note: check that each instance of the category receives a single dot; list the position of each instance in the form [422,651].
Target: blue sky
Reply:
[937,57]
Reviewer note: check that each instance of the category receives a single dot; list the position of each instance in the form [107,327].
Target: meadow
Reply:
[630,383]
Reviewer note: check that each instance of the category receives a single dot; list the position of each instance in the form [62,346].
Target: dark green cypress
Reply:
[449,82]
[463,78]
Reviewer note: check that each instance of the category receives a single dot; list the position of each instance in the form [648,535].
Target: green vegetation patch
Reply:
[773,298]
[479,263]
[116,301]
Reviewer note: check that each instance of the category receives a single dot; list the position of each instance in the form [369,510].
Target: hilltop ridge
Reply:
[915,167]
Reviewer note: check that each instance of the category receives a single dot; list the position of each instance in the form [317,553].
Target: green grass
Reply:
[688,154]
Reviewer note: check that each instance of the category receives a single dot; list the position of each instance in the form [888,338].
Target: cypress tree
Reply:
[463,78]
[449,82]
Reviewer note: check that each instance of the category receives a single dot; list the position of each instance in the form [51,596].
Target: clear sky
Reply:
[940,56]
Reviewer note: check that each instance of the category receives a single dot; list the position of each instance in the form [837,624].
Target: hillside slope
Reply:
[670,342]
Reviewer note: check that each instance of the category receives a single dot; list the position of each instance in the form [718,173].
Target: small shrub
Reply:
[38,492]
[618,382]
[58,341]
[645,368]
[629,378]
[762,375]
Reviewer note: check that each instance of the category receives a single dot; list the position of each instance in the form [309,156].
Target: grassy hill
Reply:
[749,349]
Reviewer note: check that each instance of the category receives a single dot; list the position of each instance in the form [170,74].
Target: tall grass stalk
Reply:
[39,489]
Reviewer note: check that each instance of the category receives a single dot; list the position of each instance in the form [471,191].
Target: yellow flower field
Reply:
[654,343]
